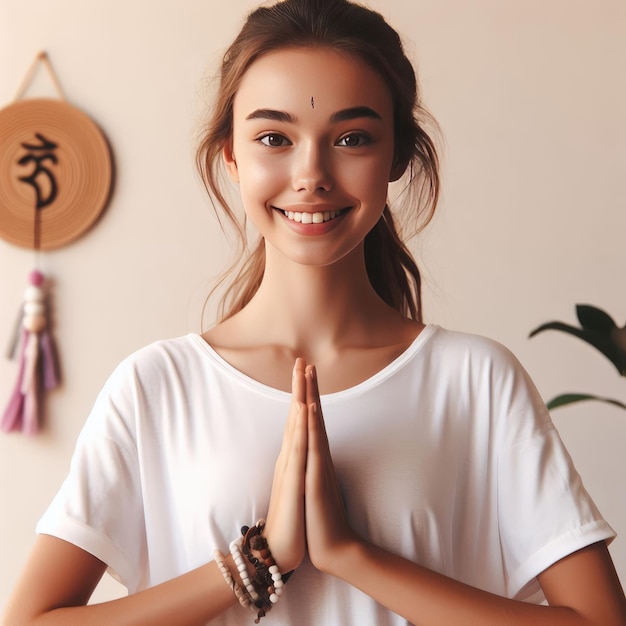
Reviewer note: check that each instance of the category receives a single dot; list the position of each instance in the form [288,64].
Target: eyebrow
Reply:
[340,116]
[271,114]
[354,113]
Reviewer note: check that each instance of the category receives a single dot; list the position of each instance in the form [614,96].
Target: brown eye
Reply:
[274,140]
[353,140]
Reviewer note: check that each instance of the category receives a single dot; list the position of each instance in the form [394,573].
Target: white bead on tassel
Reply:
[38,364]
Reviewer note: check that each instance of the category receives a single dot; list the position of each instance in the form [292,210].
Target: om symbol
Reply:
[38,154]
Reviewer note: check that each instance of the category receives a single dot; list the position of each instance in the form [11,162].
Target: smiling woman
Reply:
[402,473]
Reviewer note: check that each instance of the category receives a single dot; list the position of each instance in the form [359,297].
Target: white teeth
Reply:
[311,218]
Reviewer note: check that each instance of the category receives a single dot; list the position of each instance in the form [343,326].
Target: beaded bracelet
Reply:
[260,593]
[240,594]
[242,568]
[268,580]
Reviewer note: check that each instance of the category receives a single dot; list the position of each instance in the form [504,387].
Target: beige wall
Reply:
[531,99]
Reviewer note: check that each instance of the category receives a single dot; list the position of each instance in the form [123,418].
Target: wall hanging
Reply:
[56,175]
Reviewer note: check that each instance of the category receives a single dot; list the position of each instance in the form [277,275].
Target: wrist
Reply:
[350,555]
[287,557]
[257,591]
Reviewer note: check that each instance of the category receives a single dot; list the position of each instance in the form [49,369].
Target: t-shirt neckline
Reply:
[415,346]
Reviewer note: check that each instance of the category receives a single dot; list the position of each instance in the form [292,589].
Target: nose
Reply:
[312,169]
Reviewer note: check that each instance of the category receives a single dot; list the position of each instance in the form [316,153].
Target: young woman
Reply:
[426,484]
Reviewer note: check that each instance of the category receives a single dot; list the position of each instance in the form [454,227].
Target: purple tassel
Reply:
[11,419]
[38,364]
[31,386]
[51,370]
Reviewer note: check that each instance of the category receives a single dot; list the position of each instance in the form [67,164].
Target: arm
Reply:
[582,589]
[59,577]
[65,576]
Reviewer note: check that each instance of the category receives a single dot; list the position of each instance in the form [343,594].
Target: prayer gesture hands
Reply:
[285,525]
[306,509]
[327,527]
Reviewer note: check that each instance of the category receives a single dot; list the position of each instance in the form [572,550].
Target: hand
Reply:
[284,528]
[328,532]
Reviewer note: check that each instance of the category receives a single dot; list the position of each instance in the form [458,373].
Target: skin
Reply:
[315,305]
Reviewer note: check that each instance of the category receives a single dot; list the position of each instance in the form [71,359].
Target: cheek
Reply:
[259,181]
[369,181]
[257,174]
[368,171]
[259,169]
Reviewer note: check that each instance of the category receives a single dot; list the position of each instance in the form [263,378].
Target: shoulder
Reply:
[163,350]
[466,349]
[161,359]
[147,375]
[484,372]
[147,385]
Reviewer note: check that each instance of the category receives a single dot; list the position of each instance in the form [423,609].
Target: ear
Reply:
[397,170]
[229,161]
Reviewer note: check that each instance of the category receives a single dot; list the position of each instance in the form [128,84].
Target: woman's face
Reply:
[312,150]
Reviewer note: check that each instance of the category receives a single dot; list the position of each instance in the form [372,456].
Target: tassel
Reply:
[38,364]
[51,371]
[15,337]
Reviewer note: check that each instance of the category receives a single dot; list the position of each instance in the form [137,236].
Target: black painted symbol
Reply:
[312,102]
[39,154]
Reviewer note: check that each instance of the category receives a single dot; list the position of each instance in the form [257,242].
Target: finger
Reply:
[313,452]
[291,463]
[298,398]
[295,466]
[321,478]
[312,389]
[298,382]
[289,478]
[313,397]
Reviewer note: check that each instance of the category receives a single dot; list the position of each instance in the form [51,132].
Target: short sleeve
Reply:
[545,512]
[99,506]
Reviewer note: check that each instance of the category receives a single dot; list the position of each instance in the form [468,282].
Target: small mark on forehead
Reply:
[312,102]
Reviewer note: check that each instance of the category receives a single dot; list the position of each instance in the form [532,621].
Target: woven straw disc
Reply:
[83,172]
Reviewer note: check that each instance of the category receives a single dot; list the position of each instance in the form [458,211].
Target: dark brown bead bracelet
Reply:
[267,581]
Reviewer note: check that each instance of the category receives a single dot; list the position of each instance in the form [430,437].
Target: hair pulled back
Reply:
[344,26]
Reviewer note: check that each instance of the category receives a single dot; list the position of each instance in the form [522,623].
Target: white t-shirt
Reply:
[447,456]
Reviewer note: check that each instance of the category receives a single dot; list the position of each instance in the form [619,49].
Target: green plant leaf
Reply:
[598,340]
[593,318]
[572,330]
[570,398]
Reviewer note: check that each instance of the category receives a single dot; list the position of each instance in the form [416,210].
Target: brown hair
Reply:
[361,32]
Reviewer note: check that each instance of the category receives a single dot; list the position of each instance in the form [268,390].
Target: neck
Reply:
[312,310]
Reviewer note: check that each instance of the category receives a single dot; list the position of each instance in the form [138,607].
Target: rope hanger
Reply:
[41,59]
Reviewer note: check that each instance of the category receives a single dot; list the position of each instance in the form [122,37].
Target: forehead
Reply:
[287,79]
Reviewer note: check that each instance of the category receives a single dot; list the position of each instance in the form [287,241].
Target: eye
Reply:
[353,140]
[274,140]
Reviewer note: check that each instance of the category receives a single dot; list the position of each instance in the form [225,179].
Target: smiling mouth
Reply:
[318,217]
